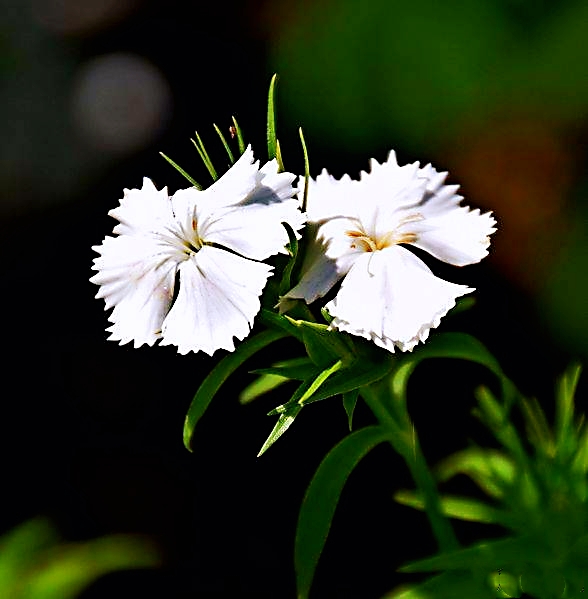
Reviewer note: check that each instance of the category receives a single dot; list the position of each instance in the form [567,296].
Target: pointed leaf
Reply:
[322,496]
[282,425]
[462,508]
[306,169]
[271,120]
[182,171]
[204,156]
[298,369]
[225,144]
[449,345]
[260,386]
[236,130]
[349,403]
[219,374]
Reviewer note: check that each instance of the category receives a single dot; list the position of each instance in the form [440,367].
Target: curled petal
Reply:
[319,272]
[392,298]
[217,300]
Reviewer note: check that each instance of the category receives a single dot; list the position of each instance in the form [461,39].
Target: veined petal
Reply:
[217,300]
[392,298]
[329,197]
[139,282]
[457,235]
[254,230]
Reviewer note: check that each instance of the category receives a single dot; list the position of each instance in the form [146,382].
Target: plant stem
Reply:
[404,440]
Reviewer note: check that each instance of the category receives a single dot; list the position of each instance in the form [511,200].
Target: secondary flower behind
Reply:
[388,295]
[187,269]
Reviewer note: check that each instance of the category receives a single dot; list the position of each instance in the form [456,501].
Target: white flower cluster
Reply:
[188,269]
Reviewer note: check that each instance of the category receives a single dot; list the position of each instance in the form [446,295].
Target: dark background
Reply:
[91,432]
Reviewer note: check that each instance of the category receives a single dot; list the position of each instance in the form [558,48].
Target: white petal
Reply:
[142,210]
[319,273]
[254,230]
[392,298]
[249,221]
[217,300]
[138,282]
[329,197]
[457,235]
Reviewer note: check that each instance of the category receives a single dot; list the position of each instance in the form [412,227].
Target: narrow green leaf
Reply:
[320,501]
[260,386]
[225,144]
[298,369]
[462,508]
[564,410]
[285,283]
[280,322]
[271,120]
[279,158]
[538,432]
[306,169]
[486,554]
[239,134]
[182,171]
[204,156]
[319,380]
[353,377]
[449,585]
[490,469]
[282,425]
[349,403]
[449,345]
[219,374]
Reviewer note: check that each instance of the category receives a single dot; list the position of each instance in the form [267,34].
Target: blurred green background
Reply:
[494,91]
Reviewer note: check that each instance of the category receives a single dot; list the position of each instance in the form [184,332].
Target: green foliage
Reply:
[538,484]
[36,564]
[322,496]
[219,374]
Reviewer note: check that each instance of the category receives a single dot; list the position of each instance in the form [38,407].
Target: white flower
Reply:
[388,295]
[187,269]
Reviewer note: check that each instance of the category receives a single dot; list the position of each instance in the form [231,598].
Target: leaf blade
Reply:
[321,498]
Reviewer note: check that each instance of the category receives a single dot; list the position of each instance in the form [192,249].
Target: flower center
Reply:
[192,242]
[372,243]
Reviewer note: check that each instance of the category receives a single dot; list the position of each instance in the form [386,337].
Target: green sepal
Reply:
[219,374]
[239,134]
[225,144]
[321,498]
[324,345]
[280,322]
[199,145]
[349,403]
[182,171]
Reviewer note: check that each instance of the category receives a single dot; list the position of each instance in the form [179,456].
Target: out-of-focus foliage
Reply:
[367,73]
[36,564]
[538,491]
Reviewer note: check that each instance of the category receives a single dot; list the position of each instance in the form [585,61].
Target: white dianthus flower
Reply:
[186,269]
[388,295]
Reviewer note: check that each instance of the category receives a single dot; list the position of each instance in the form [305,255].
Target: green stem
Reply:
[404,440]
